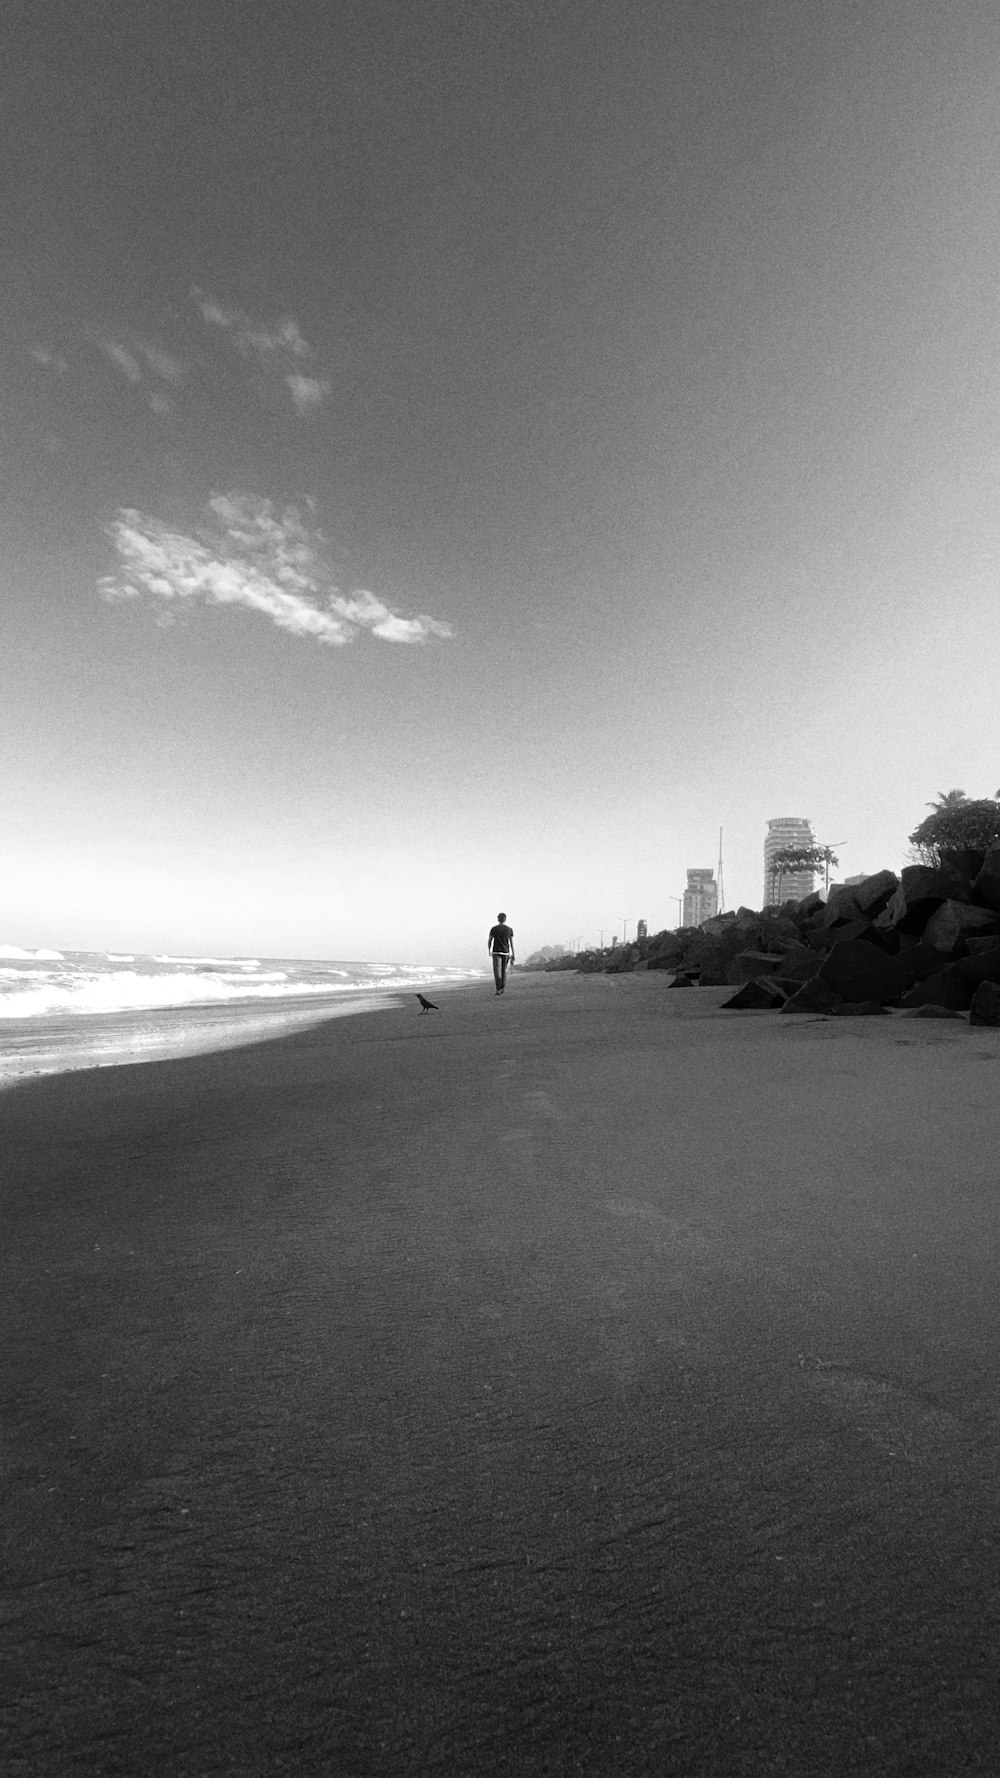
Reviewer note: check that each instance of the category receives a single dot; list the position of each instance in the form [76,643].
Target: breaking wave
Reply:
[41,984]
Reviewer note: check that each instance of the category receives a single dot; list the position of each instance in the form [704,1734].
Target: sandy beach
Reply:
[583,1382]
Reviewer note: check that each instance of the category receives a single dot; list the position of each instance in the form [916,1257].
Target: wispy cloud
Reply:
[162,364]
[278,347]
[141,365]
[119,355]
[308,392]
[49,360]
[248,554]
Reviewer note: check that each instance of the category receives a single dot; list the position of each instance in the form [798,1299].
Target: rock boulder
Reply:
[922,889]
[761,994]
[874,894]
[813,996]
[946,988]
[985,1007]
[747,964]
[986,885]
[954,921]
[859,971]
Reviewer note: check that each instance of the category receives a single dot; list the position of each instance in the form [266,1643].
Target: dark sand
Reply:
[579,1382]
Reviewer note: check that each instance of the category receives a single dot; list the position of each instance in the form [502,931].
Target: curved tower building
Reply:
[782,832]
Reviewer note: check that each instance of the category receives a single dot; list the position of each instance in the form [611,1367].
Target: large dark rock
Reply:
[809,905]
[841,904]
[875,892]
[715,952]
[859,927]
[955,921]
[980,966]
[779,935]
[817,938]
[966,860]
[798,964]
[956,984]
[681,981]
[713,963]
[925,882]
[718,924]
[918,961]
[930,1011]
[747,964]
[622,960]
[975,945]
[859,971]
[813,996]
[922,888]
[761,994]
[985,1008]
[946,988]
[986,885]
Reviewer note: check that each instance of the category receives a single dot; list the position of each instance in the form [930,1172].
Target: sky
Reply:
[459,458]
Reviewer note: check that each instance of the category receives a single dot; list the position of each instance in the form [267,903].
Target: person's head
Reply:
[501,918]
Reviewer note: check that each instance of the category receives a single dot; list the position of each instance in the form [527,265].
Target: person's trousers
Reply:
[500,969]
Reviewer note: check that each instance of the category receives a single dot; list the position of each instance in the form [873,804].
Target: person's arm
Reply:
[512,947]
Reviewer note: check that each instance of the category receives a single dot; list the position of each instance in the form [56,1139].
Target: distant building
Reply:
[782,832]
[642,930]
[701,897]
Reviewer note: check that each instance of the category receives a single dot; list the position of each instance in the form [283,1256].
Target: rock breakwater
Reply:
[926,938]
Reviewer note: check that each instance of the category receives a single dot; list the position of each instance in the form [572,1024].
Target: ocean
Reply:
[82,1009]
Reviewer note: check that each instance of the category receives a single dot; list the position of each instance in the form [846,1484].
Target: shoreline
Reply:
[58,1043]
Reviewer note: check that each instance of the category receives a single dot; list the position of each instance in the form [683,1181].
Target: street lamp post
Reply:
[826,859]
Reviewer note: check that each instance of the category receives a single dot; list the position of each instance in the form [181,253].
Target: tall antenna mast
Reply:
[718,877]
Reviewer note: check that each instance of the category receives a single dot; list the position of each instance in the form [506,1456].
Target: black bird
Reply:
[427,1005]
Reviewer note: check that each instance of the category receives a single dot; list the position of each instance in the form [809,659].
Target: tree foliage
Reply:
[792,859]
[948,800]
[957,827]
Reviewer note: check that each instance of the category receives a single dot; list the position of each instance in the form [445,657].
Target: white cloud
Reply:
[284,337]
[250,555]
[138,361]
[277,346]
[118,354]
[308,392]
[49,360]
[161,363]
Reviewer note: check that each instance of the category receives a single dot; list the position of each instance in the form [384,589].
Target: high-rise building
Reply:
[642,930]
[785,831]
[701,897]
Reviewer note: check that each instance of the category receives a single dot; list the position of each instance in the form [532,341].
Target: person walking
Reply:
[500,945]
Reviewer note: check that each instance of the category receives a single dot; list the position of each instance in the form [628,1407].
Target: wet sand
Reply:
[579,1382]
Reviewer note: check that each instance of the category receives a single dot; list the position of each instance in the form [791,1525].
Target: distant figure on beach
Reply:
[500,945]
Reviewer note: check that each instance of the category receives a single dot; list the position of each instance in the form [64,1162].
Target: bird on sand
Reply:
[427,1005]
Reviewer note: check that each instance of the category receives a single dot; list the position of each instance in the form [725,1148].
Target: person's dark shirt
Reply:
[501,938]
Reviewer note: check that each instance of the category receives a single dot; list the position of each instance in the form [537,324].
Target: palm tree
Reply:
[948,799]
